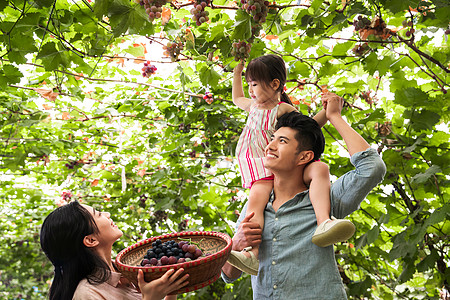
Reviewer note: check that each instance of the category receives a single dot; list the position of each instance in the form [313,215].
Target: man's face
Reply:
[281,152]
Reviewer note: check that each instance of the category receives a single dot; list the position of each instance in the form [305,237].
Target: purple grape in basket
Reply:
[164,260]
[198,253]
[189,255]
[172,260]
[192,248]
[145,261]
[154,261]
[185,247]
[181,260]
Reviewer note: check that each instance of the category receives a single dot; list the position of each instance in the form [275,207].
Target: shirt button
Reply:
[273,262]
[275,287]
[274,239]
[276,219]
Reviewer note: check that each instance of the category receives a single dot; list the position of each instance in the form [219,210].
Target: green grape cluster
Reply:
[173,49]
[257,9]
[153,7]
[199,14]
[241,50]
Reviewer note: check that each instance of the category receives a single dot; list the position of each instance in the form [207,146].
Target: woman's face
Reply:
[108,232]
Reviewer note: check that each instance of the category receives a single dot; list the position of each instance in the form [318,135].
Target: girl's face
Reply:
[262,93]
[108,232]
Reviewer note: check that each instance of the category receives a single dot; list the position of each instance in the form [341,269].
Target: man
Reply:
[291,266]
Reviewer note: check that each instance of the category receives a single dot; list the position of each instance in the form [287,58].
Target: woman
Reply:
[78,241]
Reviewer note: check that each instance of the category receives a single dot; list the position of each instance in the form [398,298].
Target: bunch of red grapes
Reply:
[200,15]
[361,23]
[208,97]
[153,7]
[148,69]
[257,9]
[173,49]
[241,50]
[66,196]
[360,50]
[170,252]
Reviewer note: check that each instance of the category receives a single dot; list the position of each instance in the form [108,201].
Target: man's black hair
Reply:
[308,133]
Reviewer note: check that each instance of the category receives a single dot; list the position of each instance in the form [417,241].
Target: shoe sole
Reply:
[239,264]
[338,233]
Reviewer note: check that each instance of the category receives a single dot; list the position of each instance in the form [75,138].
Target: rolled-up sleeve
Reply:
[238,222]
[349,190]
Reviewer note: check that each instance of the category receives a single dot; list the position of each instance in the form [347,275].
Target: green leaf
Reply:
[411,97]
[425,120]
[243,26]
[51,57]
[372,64]
[208,76]
[342,48]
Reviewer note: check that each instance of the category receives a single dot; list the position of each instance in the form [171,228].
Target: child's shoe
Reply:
[332,231]
[239,260]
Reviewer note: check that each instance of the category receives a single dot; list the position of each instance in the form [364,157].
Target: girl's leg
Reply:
[329,231]
[317,176]
[257,201]
[247,260]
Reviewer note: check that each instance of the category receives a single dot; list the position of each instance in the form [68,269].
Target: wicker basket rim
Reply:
[123,267]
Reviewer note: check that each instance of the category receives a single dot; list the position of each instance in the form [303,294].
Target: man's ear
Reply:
[305,157]
[90,241]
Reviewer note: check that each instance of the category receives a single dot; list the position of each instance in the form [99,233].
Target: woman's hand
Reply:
[332,104]
[159,288]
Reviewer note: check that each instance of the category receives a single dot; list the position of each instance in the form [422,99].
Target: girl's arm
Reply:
[321,118]
[238,91]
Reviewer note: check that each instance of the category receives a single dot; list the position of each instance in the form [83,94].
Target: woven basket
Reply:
[202,271]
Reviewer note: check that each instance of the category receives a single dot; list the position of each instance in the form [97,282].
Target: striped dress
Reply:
[253,140]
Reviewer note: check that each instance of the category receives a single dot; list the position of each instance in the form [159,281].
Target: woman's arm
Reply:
[237,89]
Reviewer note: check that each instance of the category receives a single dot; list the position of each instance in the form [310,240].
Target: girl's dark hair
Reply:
[62,235]
[309,135]
[265,69]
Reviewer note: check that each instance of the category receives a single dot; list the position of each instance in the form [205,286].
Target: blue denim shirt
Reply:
[291,266]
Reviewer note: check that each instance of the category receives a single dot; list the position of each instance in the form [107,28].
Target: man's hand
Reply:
[332,104]
[248,234]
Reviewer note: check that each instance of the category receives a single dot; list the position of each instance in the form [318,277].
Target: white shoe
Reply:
[239,260]
[333,231]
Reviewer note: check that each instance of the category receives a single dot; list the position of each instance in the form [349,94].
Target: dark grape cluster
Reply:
[447,32]
[192,154]
[148,69]
[173,49]
[409,32]
[153,7]
[71,164]
[185,128]
[208,97]
[361,23]
[257,9]
[170,253]
[66,195]
[241,50]
[142,199]
[198,12]
[360,50]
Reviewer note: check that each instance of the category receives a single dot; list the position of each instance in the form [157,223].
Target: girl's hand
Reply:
[159,288]
[239,68]
[332,104]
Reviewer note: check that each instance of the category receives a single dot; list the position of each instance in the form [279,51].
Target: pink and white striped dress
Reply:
[253,140]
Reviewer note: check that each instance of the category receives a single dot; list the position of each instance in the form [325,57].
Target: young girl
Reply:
[266,77]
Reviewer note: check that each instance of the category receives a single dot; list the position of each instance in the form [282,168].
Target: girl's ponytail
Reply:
[285,98]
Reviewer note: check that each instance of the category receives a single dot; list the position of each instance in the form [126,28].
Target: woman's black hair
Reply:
[308,133]
[265,69]
[62,235]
